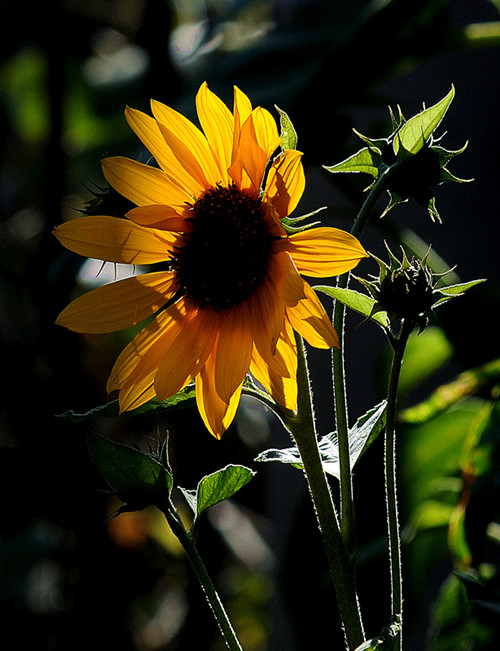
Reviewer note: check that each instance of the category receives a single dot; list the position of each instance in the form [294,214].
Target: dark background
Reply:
[68,577]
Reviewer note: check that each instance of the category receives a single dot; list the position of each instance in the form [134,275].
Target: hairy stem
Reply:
[302,427]
[339,387]
[206,583]
[399,346]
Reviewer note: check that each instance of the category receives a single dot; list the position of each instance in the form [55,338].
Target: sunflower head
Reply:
[226,293]
[224,258]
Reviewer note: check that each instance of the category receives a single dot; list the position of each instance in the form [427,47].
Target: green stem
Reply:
[339,389]
[399,346]
[342,425]
[206,583]
[302,427]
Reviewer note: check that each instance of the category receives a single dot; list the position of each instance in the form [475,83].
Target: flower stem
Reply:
[206,583]
[302,427]
[399,346]
[339,389]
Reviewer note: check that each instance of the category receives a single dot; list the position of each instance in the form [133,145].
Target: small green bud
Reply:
[405,289]
[407,292]
[413,156]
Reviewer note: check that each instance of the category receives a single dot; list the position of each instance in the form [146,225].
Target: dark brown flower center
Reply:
[226,255]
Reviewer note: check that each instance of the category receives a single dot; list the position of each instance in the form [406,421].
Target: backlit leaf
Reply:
[221,485]
[414,133]
[358,302]
[139,479]
[366,160]
[361,436]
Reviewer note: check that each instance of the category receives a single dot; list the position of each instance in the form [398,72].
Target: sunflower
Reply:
[230,294]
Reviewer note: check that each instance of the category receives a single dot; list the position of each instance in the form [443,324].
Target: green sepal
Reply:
[414,133]
[138,478]
[361,303]
[395,199]
[448,292]
[361,436]
[367,161]
[217,487]
[294,224]
[288,133]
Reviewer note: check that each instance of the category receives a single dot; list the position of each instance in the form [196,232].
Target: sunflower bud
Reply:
[404,289]
[413,155]
[416,176]
[407,292]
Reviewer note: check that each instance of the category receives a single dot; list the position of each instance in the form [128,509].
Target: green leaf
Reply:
[361,436]
[366,161]
[290,456]
[416,131]
[139,479]
[450,291]
[190,497]
[358,302]
[182,400]
[221,485]
[215,488]
[288,134]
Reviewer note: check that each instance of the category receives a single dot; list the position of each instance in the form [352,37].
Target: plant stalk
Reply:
[206,583]
[347,515]
[399,346]
[303,430]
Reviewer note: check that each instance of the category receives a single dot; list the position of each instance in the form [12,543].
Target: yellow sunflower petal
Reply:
[324,252]
[118,305]
[266,130]
[144,353]
[215,412]
[285,183]
[217,122]
[147,130]
[258,140]
[142,184]
[137,394]
[115,240]
[278,373]
[311,321]
[168,218]
[242,108]
[285,278]
[267,312]
[234,350]
[187,353]
[242,111]
[188,144]
[153,137]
